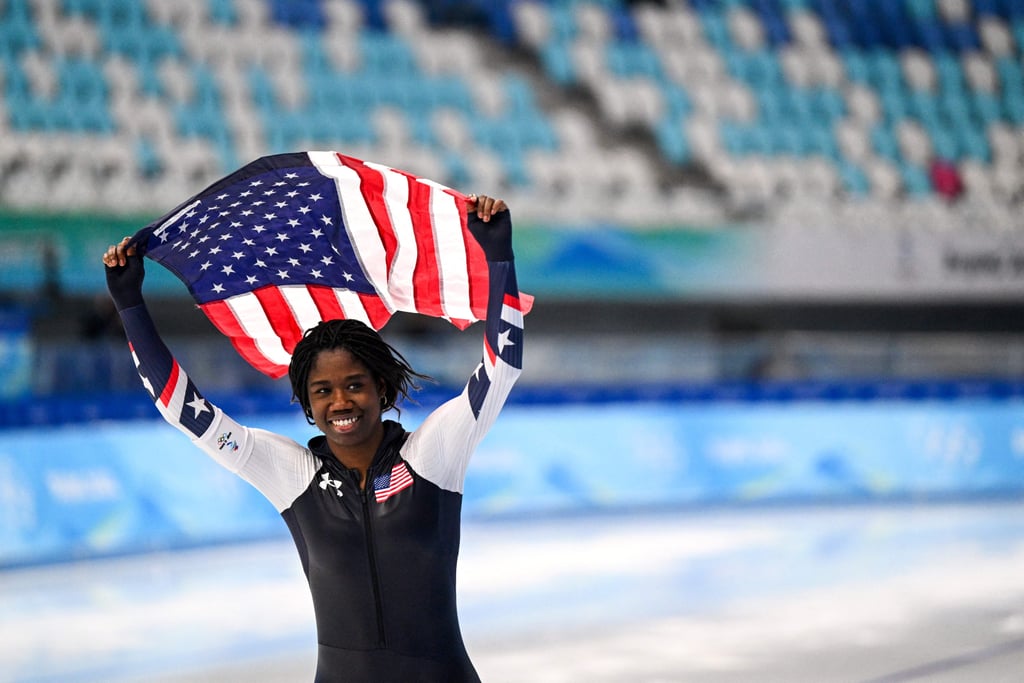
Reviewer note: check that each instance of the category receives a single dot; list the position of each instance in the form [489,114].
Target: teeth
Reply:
[345,422]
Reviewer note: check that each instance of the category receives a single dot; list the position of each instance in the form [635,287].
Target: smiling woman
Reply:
[381,568]
[344,376]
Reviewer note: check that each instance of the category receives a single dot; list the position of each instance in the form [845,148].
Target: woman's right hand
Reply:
[117,254]
[124,273]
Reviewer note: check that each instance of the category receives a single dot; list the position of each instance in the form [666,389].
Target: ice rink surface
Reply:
[859,593]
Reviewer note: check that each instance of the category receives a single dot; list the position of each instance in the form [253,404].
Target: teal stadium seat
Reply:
[17,31]
[944,143]
[672,141]
[915,179]
[854,180]
[386,54]
[883,141]
[558,64]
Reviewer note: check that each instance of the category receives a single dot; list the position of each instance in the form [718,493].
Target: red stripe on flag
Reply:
[280,315]
[376,310]
[371,184]
[427,277]
[326,302]
[476,266]
[172,382]
[223,318]
[523,302]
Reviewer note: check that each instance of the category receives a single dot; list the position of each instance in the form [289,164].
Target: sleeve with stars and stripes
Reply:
[277,466]
[441,447]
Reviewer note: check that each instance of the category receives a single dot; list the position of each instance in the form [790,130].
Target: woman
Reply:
[374,510]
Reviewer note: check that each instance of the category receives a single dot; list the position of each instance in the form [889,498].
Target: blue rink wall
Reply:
[121,487]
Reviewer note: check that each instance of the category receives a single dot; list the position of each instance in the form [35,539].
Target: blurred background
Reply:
[776,358]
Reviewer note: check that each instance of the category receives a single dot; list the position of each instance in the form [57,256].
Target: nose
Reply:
[340,399]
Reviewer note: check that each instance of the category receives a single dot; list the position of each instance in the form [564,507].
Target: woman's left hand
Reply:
[485,206]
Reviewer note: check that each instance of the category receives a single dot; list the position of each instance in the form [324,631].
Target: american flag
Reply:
[390,483]
[292,239]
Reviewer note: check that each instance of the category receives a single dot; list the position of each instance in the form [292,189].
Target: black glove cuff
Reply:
[125,283]
[494,236]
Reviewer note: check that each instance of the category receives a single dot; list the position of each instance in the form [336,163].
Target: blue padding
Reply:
[48,411]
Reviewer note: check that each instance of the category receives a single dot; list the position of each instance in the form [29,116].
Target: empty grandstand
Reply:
[747,182]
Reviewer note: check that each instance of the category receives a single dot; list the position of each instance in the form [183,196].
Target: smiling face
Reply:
[345,403]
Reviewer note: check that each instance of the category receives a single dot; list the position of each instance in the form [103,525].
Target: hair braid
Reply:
[386,365]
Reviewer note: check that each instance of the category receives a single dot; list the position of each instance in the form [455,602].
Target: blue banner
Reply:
[110,488]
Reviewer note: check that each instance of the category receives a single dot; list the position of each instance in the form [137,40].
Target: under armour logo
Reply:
[325,481]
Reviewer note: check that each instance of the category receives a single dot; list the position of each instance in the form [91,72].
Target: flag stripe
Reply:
[403,263]
[279,315]
[292,239]
[376,311]
[246,347]
[359,224]
[426,277]
[453,260]
[326,301]
[398,479]
[303,308]
[476,264]
[224,317]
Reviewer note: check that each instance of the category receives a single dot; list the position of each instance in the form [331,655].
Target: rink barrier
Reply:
[114,487]
[41,411]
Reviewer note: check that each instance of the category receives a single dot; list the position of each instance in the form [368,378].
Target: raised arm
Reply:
[441,448]
[277,466]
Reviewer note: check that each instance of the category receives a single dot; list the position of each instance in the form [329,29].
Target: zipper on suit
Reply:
[371,552]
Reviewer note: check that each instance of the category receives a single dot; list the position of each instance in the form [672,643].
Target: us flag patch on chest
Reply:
[391,482]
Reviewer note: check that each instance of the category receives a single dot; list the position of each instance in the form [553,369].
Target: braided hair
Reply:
[386,365]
